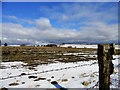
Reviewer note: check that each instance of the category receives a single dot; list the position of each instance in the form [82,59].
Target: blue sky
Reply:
[60,22]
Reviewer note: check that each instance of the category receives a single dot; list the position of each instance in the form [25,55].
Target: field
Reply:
[37,67]
[44,55]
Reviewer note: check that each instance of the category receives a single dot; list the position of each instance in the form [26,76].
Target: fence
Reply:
[105,52]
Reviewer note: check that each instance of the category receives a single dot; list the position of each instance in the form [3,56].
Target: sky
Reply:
[59,22]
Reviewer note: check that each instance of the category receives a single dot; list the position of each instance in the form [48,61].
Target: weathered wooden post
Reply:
[105,52]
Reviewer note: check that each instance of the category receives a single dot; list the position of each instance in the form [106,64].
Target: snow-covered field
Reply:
[84,46]
[83,74]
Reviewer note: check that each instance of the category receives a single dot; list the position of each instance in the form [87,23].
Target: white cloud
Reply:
[11,17]
[94,32]
[66,13]
[18,20]
[43,23]
[89,24]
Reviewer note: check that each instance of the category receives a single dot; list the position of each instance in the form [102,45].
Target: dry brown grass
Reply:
[42,55]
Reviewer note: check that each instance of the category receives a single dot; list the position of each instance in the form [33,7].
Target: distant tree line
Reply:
[5,44]
[51,45]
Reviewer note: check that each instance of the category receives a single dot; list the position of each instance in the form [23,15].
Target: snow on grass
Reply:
[85,46]
[82,74]
[12,64]
[79,46]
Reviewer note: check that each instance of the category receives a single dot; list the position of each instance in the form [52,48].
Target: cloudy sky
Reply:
[59,22]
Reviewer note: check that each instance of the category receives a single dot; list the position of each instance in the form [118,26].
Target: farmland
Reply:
[45,55]
[70,67]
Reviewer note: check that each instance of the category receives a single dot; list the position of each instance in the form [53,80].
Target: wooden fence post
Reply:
[105,52]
